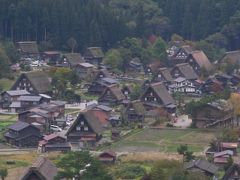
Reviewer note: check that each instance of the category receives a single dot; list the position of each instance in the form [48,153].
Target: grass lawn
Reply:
[165,140]
[6,83]
[5,121]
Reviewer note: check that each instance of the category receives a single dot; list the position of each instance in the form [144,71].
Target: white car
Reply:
[55,128]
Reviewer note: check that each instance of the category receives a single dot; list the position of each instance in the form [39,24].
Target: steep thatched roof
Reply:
[28,47]
[43,168]
[201,59]
[74,58]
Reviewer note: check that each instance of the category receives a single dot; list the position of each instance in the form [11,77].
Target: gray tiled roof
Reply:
[17,92]
[19,125]
[30,98]
[202,165]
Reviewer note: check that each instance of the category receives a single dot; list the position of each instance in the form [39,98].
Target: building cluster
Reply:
[143,92]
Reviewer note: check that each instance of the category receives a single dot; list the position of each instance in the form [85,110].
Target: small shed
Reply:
[108,157]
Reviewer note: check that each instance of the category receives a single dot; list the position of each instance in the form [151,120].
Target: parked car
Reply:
[55,128]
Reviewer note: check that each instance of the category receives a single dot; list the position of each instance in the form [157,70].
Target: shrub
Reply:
[130,171]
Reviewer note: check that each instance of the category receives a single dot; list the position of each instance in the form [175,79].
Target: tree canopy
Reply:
[105,23]
[73,163]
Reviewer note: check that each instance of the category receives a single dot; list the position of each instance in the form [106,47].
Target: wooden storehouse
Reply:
[22,134]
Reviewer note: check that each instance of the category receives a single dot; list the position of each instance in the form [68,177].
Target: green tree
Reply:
[4,63]
[187,155]
[71,163]
[166,169]
[229,163]
[11,51]
[136,92]
[159,50]
[3,173]
[130,172]
[230,135]
[114,59]
[72,44]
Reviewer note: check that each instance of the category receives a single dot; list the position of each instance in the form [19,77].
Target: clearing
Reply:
[164,140]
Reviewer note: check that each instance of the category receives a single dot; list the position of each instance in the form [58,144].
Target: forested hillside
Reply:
[105,22]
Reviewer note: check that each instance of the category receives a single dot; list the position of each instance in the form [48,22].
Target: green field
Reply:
[5,121]
[6,83]
[165,140]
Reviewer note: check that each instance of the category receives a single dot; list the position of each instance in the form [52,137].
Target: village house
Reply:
[184,70]
[53,142]
[101,112]
[163,75]
[232,146]
[235,79]
[97,87]
[41,169]
[71,60]
[94,55]
[199,61]
[127,91]
[180,55]
[115,120]
[112,96]
[214,114]
[201,165]
[85,131]
[233,172]
[7,97]
[230,58]
[107,157]
[134,68]
[103,73]
[212,86]
[44,115]
[84,70]
[25,102]
[156,95]
[28,49]
[184,86]
[36,82]
[22,134]
[115,134]
[134,112]
[36,115]
[145,84]
[152,68]
[225,79]
[51,57]
[222,158]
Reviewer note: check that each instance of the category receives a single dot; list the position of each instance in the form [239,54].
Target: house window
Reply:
[82,122]
[155,99]
[85,128]
[78,128]
[145,99]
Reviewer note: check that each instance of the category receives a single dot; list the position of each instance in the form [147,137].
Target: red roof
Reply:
[101,115]
[109,153]
[229,145]
[220,160]
[50,136]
